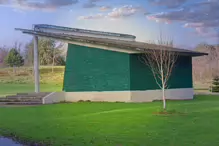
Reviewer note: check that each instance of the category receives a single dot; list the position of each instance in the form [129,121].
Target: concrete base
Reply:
[120,96]
[54,97]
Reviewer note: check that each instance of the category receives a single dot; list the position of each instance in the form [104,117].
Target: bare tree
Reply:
[3,53]
[207,65]
[49,52]
[161,62]
[56,53]
[212,60]
[17,46]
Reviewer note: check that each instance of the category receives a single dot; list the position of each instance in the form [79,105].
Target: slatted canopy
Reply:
[139,47]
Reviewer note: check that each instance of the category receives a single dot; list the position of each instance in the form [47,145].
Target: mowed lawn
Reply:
[23,80]
[116,124]
[10,89]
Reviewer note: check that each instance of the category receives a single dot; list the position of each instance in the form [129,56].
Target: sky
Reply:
[187,22]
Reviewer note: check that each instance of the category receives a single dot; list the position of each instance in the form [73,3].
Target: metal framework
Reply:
[41,27]
[137,46]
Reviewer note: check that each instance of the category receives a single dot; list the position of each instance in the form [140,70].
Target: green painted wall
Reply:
[90,69]
[142,77]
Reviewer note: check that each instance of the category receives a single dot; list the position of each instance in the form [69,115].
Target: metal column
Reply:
[36,65]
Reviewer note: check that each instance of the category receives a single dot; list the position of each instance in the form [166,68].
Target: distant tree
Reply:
[212,60]
[60,60]
[56,56]
[17,46]
[3,54]
[215,84]
[14,58]
[206,67]
[49,52]
[46,51]
[28,53]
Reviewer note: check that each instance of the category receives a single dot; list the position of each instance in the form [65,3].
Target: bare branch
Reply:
[161,63]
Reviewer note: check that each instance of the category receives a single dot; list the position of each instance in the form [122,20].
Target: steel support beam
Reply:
[36,65]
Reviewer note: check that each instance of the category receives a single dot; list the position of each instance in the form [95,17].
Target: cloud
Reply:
[105,8]
[124,11]
[90,4]
[97,16]
[201,16]
[147,13]
[43,4]
[205,24]
[4,1]
[19,11]
[168,3]
[207,32]
[94,1]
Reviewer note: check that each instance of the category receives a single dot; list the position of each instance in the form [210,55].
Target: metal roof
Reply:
[84,31]
[129,45]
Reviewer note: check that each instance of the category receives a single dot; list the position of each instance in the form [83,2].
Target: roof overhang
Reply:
[79,30]
[123,46]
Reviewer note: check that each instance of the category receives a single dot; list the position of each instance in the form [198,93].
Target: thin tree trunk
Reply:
[164,99]
[53,62]
[163,93]
[14,69]
[211,86]
[163,88]
[211,81]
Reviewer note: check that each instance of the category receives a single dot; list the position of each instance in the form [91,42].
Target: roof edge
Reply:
[126,44]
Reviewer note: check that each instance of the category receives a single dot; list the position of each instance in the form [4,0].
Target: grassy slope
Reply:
[10,89]
[112,124]
[23,81]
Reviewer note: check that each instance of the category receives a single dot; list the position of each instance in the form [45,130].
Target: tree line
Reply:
[206,68]
[51,52]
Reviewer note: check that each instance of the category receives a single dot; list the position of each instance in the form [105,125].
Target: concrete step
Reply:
[23,97]
[27,95]
[41,95]
[20,103]
[33,94]
[20,100]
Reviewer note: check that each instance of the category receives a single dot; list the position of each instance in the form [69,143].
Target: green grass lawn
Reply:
[10,89]
[23,80]
[116,124]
